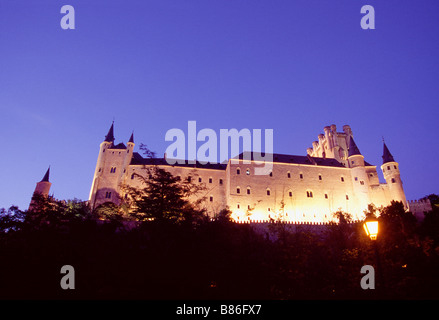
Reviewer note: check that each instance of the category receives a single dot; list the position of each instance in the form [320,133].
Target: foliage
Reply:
[115,257]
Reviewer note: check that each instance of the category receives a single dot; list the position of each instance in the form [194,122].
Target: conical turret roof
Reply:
[353,149]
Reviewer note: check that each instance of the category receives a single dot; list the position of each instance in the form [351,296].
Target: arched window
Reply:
[238,190]
[268,191]
[248,190]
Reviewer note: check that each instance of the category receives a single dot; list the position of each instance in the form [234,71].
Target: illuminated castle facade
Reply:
[332,176]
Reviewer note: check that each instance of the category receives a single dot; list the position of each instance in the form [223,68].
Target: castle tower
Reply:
[391,173]
[110,171]
[360,180]
[42,187]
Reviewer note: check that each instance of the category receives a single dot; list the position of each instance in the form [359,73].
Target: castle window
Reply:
[395,167]
[238,171]
[290,193]
[356,178]
[238,190]
[210,180]
[211,199]
[320,177]
[199,179]
[271,173]
[347,197]
[388,167]
[189,179]
[248,207]
[221,182]
[238,206]
[393,180]
[132,176]
[309,194]
[362,182]
[301,176]
[247,172]
[268,209]
[113,170]
[289,175]
[370,174]
[108,195]
[100,169]
[342,179]
[248,190]
[268,192]
[326,196]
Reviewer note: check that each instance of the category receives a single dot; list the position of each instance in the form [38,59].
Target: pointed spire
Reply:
[110,135]
[353,149]
[46,176]
[131,138]
[387,156]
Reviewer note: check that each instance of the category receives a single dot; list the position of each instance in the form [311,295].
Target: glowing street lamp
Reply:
[371,228]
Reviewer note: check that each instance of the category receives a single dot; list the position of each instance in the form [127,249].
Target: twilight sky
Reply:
[294,66]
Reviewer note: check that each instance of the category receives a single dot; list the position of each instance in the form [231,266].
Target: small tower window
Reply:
[248,190]
[247,172]
[189,179]
[238,206]
[113,170]
[342,179]
[395,167]
[108,195]
[132,176]
[238,190]
[309,194]
[388,167]
[326,196]
[347,197]
[301,176]
[221,182]
[290,193]
[289,175]
[210,180]
[320,177]
[393,180]
[238,171]
[268,192]
[199,179]
[271,173]
[211,199]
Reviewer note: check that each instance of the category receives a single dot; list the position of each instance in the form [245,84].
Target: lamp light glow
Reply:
[371,228]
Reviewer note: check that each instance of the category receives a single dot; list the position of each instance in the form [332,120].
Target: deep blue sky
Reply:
[289,65]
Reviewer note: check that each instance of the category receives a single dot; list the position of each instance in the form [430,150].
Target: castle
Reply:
[304,189]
